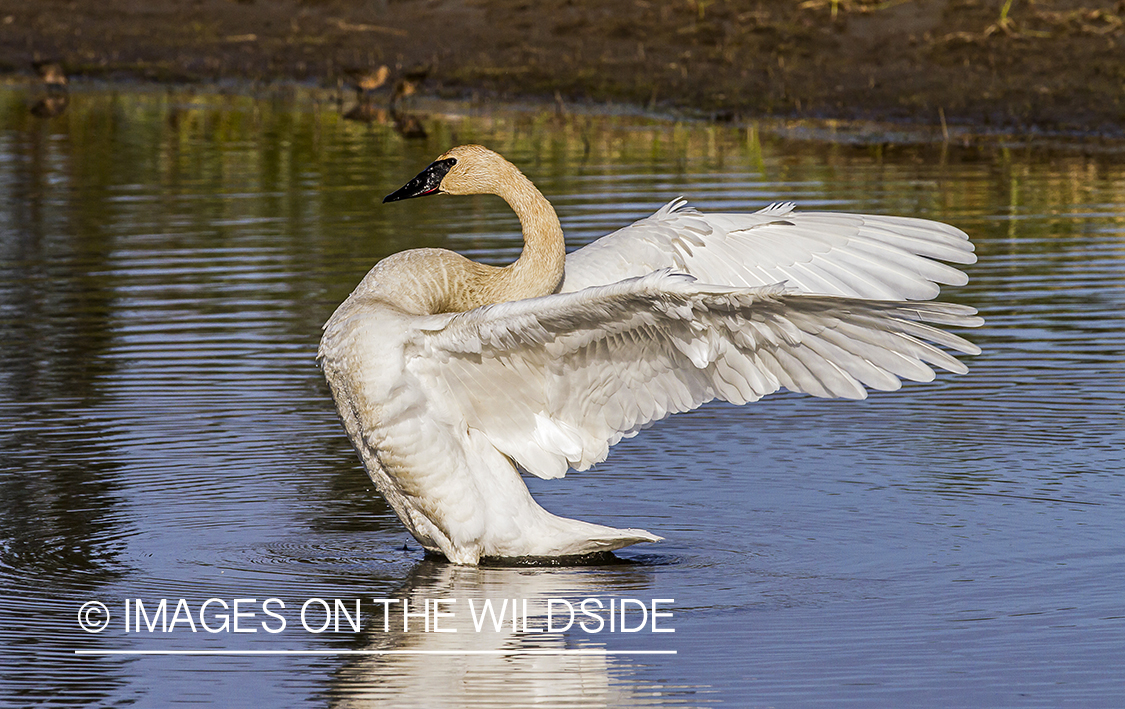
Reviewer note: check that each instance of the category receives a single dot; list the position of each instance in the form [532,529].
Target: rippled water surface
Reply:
[167,260]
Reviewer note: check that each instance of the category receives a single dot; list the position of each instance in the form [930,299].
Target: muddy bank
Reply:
[1051,65]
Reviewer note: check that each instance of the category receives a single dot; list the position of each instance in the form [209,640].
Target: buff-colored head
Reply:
[466,169]
[477,170]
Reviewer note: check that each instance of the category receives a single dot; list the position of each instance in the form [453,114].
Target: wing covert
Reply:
[829,253]
[553,382]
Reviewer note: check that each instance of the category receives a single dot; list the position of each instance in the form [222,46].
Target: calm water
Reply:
[166,261]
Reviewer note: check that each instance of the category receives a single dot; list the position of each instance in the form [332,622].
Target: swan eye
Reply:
[427,181]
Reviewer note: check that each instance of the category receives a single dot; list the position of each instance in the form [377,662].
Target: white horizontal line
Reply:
[377,652]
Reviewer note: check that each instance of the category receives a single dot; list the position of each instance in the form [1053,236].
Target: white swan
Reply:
[450,375]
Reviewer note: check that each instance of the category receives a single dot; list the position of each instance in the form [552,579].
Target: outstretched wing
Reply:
[851,255]
[553,382]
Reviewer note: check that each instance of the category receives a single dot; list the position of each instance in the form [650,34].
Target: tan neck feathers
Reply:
[539,268]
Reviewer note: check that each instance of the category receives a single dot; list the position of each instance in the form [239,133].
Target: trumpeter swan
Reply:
[450,376]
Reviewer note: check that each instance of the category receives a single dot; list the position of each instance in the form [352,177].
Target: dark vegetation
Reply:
[1054,65]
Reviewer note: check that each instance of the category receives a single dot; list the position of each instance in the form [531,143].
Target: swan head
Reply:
[466,169]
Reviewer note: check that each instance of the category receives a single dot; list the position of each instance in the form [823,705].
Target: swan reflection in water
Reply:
[488,667]
[451,376]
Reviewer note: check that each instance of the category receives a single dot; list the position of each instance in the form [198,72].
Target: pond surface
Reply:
[167,260]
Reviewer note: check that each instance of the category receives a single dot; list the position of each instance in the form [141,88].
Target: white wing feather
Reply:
[553,382]
[851,255]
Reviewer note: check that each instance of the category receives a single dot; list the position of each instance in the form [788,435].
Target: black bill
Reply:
[427,182]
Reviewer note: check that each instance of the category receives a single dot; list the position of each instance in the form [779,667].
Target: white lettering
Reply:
[240,614]
[327,614]
[160,614]
[182,606]
[595,616]
[550,607]
[221,616]
[656,613]
[438,614]
[478,621]
[386,611]
[267,611]
[644,614]
[341,608]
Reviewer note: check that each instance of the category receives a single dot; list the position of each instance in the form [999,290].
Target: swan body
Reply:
[452,376]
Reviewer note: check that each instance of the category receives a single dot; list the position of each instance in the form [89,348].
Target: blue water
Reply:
[167,259]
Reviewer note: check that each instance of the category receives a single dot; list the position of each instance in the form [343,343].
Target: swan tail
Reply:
[575,537]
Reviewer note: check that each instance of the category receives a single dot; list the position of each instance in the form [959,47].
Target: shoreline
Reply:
[1049,68]
[844,132]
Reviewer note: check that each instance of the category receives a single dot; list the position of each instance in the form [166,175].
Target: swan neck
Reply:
[539,269]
